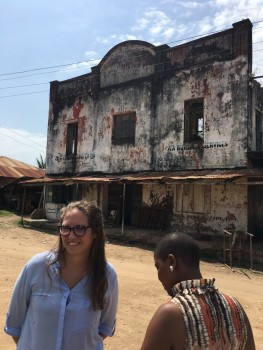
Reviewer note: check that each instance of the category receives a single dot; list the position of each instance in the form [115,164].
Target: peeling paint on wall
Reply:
[228,211]
[78,106]
[155,83]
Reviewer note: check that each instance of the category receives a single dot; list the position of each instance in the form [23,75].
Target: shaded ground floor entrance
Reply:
[198,202]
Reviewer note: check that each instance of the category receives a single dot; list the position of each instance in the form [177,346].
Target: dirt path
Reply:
[140,291]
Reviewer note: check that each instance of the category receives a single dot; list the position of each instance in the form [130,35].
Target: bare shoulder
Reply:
[166,329]
[169,310]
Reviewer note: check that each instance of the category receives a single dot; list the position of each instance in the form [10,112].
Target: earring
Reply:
[171,268]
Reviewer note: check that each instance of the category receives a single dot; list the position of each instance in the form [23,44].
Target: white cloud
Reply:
[258,52]
[181,31]
[156,24]
[205,26]
[91,54]
[127,37]
[116,39]
[168,33]
[159,22]
[102,40]
[77,66]
[22,145]
[180,21]
[141,24]
[236,10]
[155,43]
[106,40]
[155,29]
[167,1]
[191,4]
[221,19]
[186,14]
[222,2]
[227,12]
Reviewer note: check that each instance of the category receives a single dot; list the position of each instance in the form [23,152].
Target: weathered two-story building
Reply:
[166,137]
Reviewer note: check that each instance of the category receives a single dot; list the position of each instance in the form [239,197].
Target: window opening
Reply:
[194,120]
[124,128]
[72,136]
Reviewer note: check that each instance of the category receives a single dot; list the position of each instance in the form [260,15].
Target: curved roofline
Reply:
[138,42]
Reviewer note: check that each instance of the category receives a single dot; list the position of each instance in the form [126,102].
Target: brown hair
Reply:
[96,260]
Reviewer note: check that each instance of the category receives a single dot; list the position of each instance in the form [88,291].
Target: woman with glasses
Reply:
[66,298]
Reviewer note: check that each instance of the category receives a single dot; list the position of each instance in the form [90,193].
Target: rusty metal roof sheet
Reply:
[71,180]
[97,179]
[15,169]
[211,176]
[190,175]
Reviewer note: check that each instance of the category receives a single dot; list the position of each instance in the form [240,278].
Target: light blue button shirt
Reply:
[45,314]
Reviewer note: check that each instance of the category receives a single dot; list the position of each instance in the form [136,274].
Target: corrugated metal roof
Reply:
[71,180]
[15,169]
[190,175]
[96,179]
[211,176]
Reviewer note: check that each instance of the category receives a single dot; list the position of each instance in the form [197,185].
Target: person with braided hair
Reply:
[199,316]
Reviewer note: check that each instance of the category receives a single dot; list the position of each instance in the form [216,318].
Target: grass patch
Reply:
[5,213]
[22,223]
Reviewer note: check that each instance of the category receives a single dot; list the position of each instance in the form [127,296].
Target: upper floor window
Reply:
[194,120]
[72,137]
[124,128]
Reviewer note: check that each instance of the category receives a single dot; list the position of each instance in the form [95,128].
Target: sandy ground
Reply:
[140,291]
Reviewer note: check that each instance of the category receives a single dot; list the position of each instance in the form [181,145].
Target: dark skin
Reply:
[166,330]
[167,322]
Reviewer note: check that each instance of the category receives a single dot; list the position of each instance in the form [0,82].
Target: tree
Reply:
[41,163]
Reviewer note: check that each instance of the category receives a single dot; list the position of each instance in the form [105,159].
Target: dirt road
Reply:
[140,291]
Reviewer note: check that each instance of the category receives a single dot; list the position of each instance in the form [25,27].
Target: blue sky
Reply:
[72,36]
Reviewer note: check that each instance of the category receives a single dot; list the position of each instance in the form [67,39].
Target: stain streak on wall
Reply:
[154,84]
